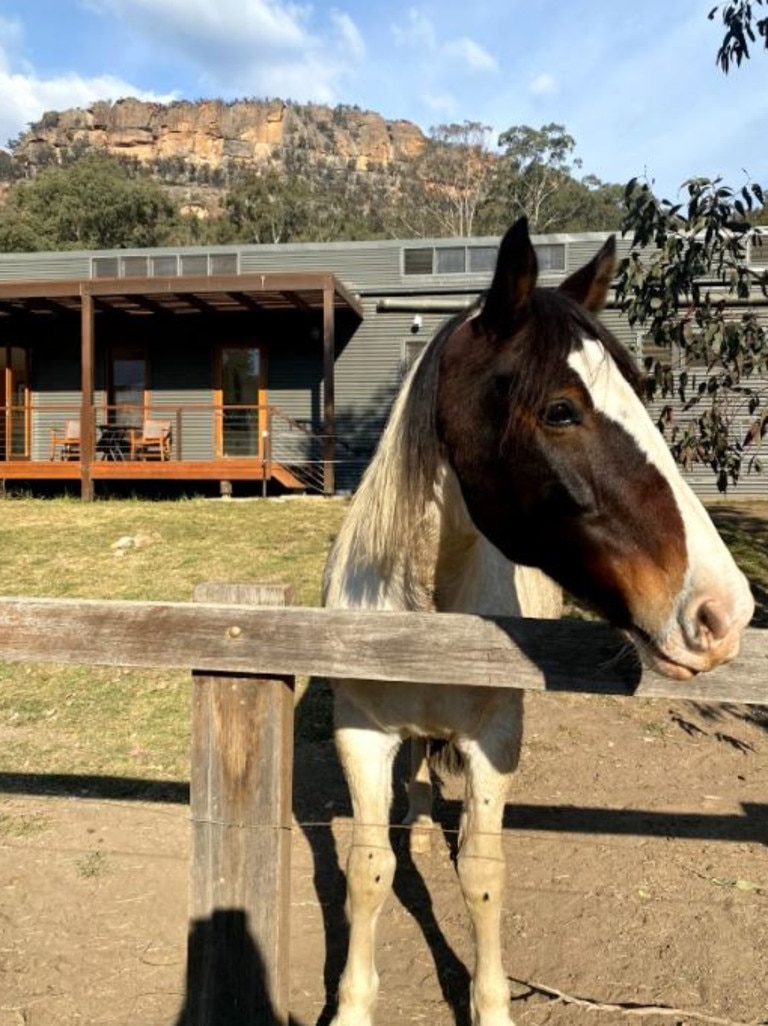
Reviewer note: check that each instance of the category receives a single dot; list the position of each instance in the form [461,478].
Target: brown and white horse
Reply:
[518,453]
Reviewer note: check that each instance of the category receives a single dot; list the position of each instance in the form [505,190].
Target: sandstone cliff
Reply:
[212,140]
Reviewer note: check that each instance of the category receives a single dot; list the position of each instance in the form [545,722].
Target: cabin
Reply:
[266,368]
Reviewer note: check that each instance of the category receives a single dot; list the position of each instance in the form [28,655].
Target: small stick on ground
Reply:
[630,1007]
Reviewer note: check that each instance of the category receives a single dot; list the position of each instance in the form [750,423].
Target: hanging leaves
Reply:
[742,30]
[688,285]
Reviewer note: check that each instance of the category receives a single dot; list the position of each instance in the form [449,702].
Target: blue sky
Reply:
[634,83]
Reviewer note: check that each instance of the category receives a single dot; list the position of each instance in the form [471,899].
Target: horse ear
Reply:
[589,286]
[511,291]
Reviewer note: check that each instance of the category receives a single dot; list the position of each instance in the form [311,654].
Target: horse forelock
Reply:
[554,328]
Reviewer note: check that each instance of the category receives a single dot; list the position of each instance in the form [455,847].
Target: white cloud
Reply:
[25,96]
[349,35]
[471,53]
[544,85]
[247,47]
[418,32]
[227,24]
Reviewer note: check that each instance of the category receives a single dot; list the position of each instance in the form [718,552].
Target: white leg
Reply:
[481,869]
[366,755]
[419,815]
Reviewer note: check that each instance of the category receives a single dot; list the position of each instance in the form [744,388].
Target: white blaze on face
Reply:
[715,591]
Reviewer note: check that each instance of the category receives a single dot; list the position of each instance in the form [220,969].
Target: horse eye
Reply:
[560,413]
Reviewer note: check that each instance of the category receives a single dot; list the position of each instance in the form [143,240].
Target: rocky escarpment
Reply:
[214,141]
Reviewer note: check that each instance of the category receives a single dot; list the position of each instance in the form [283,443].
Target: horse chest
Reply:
[428,710]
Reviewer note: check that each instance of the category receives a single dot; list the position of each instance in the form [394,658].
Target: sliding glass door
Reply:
[241,384]
[127,386]
[14,403]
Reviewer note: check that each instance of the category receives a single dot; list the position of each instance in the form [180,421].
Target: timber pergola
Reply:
[316,293]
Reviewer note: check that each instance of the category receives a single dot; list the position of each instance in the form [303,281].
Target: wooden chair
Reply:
[65,445]
[152,442]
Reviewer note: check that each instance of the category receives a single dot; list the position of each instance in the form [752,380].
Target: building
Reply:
[269,364]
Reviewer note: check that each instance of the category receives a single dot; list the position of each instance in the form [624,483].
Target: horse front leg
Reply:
[481,869]
[366,756]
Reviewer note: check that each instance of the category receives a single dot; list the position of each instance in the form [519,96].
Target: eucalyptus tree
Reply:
[94,203]
[449,181]
[537,175]
[269,207]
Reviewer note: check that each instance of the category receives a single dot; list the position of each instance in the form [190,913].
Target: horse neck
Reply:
[471,575]
[442,564]
[408,542]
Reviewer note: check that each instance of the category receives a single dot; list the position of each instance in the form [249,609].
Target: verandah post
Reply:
[241,807]
[87,432]
[329,388]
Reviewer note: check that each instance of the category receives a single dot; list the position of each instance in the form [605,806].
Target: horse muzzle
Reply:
[706,632]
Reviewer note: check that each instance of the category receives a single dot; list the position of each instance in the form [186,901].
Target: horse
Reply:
[518,460]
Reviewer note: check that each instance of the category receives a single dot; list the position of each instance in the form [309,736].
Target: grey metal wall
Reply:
[369,364]
[363,266]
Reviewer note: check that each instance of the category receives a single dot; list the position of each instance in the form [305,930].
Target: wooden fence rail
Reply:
[448,648]
[244,660]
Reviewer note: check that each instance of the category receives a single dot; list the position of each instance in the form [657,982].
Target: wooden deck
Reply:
[231,469]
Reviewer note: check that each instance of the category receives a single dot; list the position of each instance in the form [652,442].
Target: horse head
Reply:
[560,466]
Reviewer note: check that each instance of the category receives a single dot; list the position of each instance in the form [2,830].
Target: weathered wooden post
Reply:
[241,806]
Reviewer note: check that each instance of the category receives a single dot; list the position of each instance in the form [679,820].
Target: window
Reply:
[458,259]
[135,267]
[194,264]
[165,266]
[241,381]
[758,251]
[417,261]
[104,267]
[412,350]
[451,260]
[648,351]
[482,259]
[127,386]
[551,256]
[223,263]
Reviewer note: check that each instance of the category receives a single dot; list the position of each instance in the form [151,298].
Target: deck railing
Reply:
[268,435]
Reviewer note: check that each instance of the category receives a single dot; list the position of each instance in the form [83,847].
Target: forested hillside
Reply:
[132,173]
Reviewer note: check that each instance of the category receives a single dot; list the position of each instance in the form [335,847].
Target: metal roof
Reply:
[243,293]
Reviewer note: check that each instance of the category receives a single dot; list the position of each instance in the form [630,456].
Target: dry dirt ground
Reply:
[636,842]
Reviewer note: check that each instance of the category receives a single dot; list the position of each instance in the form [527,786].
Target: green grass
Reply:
[128,723]
[64,547]
[135,724]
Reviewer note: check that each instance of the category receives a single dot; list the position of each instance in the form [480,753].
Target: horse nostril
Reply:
[712,621]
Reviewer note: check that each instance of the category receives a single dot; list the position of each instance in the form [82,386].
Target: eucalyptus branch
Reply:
[688,286]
